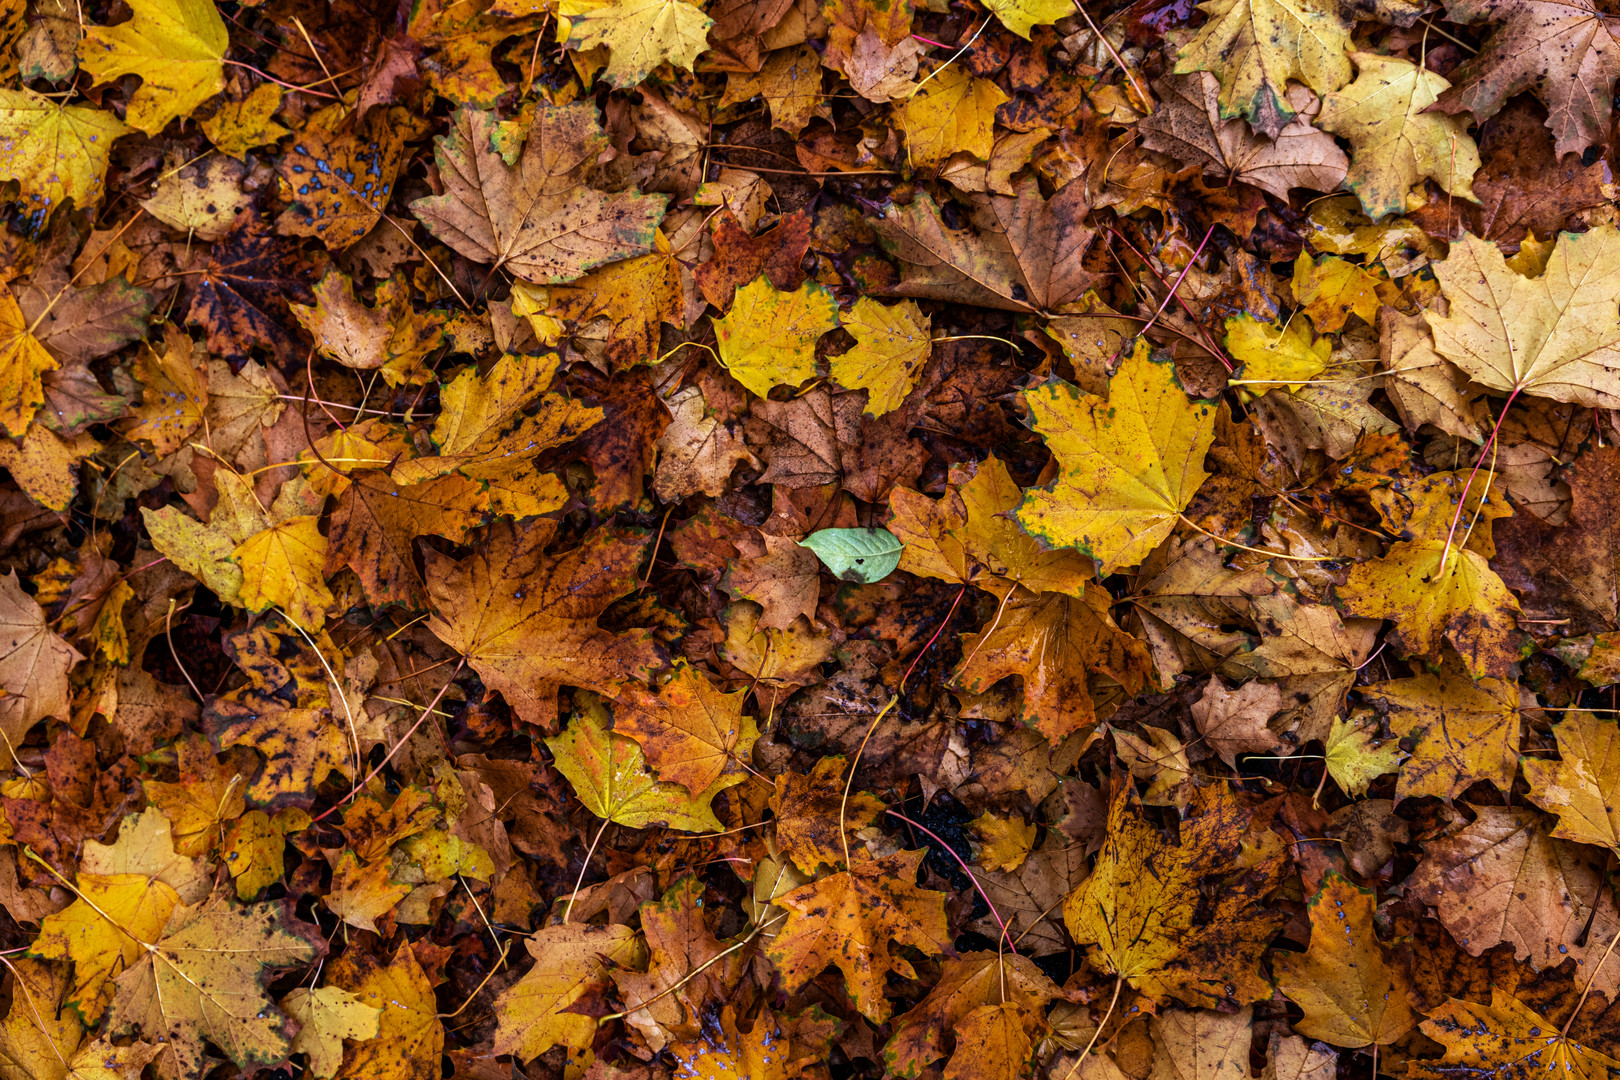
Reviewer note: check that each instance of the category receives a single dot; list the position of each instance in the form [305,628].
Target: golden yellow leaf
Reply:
[954,112]
[1461,731]
[239,126]
[23,360]
[1004,843]
[40,1032]
[1505,1037]
[361,895]
[1353,994]
[254,852]
[281,567]
[1275,357]
[1128,464]
[409,1044]
[326,1016]
[1022,16]
[1435,595]
[993,1043]
[1556,336]
[571,960]
[1331,290]
[1145,927]
[892,344]
[689,730]
[851,919]
[174,398]
[55,151]
[1395,142]
[610,776]
[1355,756]
[177,47]
[1579,786]
[639,34]
[768,338]
[636,296]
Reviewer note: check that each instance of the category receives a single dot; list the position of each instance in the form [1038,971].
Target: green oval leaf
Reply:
[859,555]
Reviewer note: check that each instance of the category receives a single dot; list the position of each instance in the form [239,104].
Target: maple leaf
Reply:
[665,1000]
[1352,993]
[808,809]
[1056,643]
[697,451]
[610,775]
[1437,594]
[1564,50]
[740,258]
[1461,731]
[203,980]
[690,731]
[768,338]
[1355,756]
[409,1044]
[570,961]
[34,663]
[240,126]
[360,895]
[126,895]
[636,295]
[390,336]
[881,363]
[1550,336]
[953,112]
[55,151]
[993,1041]
[536,219]
[526,621]
[1256,46]
[1576,787]
[242,289]
[966,983]
[850,919]
[1153,930]
[1505,1036]
[376,520]
[177,47]
[1129,463]
[23,363]
[281,567]
[968,538]
[1198,1044]
[1572,570]
[1234,722]
[1396,142]
[38,1033]
[1503,879]
[1276,357]
[639,34]
[1189,126]
[341,176]
[326,1015]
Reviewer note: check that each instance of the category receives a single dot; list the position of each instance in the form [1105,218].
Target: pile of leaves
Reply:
[632,539]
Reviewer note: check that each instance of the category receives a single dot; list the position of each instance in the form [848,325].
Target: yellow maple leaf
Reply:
[851,919]
[1004,843]
[809,808]
[1579,787]
[969,538]
[1556,336]
[954,112]
[326,1016]
[410,1035]
[689,730]
[993,1042]
[1331,290]
[281,567]
[239,126]
[1505,1038]
[571,960]
[1275,357]
[636,296]
[892,344]
[1255,46]
[966,983]
[768,338]
[1461,730]
[1434,594]
[361,895]
[126,893]
[174,398]
[610,775]
[1128,464]
[639,34]
[1022,16]
[1395,142]
[1352,993]
[1144,925]
[177,47]
[23,361]
[55,151]
[1355,756]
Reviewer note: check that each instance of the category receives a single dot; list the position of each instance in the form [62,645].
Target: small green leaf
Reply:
[859,555]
